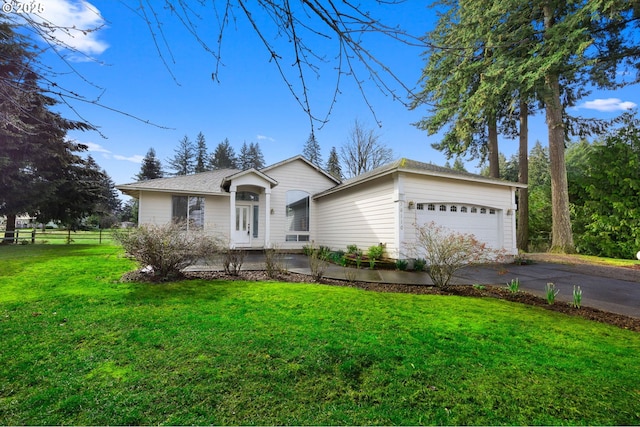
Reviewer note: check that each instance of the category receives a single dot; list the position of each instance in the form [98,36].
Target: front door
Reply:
[242,230]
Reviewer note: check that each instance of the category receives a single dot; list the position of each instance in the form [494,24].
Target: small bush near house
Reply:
[402,264]
[274,262]
[232,261]
[353,249]
[448,251]
[318,260]
[374,253]
[419,264]
[166,249]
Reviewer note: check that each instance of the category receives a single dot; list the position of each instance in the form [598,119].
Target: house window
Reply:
[297,215]
[188,210]
[247,196]
[431,207]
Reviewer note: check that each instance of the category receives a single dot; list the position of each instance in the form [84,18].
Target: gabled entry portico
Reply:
[250,207]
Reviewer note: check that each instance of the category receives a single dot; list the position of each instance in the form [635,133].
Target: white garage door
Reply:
[481,221]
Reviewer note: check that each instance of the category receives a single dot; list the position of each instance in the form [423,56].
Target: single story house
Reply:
[294,202]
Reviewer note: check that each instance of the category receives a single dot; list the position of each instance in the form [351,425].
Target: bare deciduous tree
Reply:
[363,151]
[340,34]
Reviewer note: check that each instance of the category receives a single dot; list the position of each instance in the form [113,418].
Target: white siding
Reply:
[364,216]
[155,208]
[497,229]
[295,175]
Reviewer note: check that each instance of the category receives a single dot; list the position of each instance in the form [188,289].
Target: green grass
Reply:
[79,347]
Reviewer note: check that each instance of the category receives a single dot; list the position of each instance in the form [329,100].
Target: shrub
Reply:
[318,261]
[232,260]
[274,262]
[352,249]
[402,264]
[374,253]
[419,264]
[166,249]
[448,251]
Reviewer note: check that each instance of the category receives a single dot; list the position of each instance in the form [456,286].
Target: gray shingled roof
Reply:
[413,166]
[200,183]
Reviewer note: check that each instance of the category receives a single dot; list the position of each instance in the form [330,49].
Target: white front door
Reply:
[242,229]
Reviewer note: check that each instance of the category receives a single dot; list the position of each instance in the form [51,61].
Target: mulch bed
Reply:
[621,321]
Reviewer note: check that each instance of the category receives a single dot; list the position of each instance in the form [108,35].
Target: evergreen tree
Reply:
[458,165]
[311,150]
[37,162]
[201,154]
[244,162]
[539,197]
[256,156]
[150,168]
[81,192]
[224,157]
[183,162]
[251,156]
[333,164]
[607,222]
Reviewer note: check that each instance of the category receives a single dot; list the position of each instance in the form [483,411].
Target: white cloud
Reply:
[96,148]
[265,138]
[608,105]
[136,158]
[77,25]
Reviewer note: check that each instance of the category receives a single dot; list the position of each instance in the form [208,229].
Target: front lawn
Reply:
[79,347]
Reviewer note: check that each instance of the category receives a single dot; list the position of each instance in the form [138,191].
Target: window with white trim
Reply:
[297,211]
[188,210]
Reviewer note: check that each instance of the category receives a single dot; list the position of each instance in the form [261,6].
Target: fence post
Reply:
[100,236]
[16,236]
[33,236]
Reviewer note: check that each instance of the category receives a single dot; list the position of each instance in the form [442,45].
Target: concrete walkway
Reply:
[599,289]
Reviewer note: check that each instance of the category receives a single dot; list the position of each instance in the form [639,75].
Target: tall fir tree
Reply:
[201,154]
[333,164]
[311,150]
[151,167]
[223,157]
[256,156]
[37,161]
[250,156]
[183,162]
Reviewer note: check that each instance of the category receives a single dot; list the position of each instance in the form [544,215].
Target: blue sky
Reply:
[250,102]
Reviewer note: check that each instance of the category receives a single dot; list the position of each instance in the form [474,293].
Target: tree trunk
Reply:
[561,236]
[522,236]
[10,229]
[494,160]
